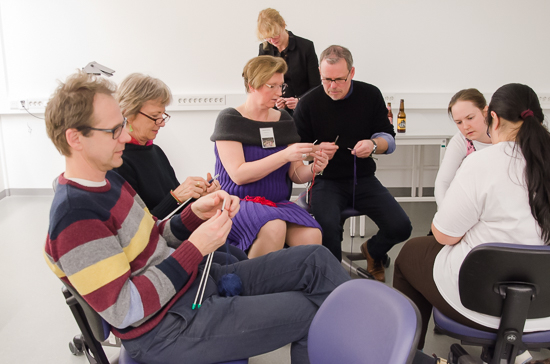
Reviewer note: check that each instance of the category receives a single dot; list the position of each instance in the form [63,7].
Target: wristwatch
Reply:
[375,146]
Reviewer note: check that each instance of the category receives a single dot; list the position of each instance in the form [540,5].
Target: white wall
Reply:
[428,46]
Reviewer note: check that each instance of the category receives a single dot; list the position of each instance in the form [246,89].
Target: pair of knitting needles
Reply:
[204,277]
[186,201]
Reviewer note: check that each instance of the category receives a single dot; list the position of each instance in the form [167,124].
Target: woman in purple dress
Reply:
[256,150]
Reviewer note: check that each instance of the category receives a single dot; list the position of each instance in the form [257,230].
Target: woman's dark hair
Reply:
[515,103]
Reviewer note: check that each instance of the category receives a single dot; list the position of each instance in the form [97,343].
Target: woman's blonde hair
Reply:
[260,69]
[137,88]
[270,23]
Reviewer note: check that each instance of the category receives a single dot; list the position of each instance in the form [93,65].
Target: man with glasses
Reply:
[142,274]
[350,120]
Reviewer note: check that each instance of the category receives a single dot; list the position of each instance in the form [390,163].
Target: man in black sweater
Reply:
[353,114]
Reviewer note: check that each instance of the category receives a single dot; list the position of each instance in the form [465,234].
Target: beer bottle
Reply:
[401,118]
[390,113]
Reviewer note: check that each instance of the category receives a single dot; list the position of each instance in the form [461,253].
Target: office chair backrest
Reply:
[364,321]
[489,266]
[100,329]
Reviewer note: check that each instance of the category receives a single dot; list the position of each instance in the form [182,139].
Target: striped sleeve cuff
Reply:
[189,219]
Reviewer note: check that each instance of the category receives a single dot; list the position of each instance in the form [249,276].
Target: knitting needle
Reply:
[335,140]
[205,273]
[186,201]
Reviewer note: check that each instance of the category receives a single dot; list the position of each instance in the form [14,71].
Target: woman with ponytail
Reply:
[499,194]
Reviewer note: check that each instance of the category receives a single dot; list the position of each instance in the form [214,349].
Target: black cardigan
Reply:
[303,66]
[148,171]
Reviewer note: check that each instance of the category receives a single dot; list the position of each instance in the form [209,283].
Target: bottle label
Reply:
[401,123]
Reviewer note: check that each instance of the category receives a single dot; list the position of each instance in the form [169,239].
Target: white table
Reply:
[422,129]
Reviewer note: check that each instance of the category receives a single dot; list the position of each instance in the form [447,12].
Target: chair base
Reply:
[468,336]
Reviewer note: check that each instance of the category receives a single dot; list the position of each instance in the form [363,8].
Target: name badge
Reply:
[268,138]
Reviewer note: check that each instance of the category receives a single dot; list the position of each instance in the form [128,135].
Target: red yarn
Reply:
[261,200]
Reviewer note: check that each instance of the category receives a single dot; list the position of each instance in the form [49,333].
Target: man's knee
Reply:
[400,229]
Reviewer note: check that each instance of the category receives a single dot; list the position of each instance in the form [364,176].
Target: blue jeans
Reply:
[281,293]
[330,197]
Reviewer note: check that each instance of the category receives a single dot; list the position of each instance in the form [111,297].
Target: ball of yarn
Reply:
[230,285]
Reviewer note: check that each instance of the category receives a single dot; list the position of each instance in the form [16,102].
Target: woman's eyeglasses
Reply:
[164,118]
[283,87]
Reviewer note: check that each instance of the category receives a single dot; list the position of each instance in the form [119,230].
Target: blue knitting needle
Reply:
[186,201]
[205,273]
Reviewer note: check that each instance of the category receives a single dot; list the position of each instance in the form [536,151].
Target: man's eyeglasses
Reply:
[337,81]
[164,118]
[116,131]
[283,87]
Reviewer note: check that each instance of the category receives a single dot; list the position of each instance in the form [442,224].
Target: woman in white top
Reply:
[499,194]
[468,109]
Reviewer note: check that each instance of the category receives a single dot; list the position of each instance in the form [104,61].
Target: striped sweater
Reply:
[126,264]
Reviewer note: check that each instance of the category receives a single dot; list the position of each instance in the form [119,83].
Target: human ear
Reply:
[496,120]
[73,138]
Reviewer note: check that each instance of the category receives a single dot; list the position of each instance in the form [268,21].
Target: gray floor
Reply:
[35,323]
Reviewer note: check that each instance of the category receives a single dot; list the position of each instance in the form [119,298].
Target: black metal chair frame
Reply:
[510,281]
[93,335]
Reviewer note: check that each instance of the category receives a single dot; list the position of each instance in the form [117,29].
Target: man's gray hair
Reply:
[334,53]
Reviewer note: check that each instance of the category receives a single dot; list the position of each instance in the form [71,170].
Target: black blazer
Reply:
[303,66]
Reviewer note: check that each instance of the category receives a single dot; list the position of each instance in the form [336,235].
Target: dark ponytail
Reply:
[515,102]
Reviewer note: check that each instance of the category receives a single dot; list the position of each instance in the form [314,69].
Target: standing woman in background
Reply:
[468,109]
[298,53]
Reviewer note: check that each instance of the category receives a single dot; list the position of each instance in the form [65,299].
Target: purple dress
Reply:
[273,187]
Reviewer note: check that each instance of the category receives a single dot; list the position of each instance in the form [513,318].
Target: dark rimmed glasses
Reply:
[164,118]
[337,81]
[283,87]
[116,131]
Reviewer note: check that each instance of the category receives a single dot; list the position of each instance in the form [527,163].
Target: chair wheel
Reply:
[77,345]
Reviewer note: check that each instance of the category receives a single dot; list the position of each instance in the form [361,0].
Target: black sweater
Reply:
[355,118]
[147,170]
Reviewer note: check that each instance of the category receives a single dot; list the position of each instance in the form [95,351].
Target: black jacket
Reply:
[303,66]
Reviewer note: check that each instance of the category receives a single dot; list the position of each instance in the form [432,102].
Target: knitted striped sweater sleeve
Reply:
[107,245]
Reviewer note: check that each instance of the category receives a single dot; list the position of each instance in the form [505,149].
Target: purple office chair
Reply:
[364,321]
[95,331]
[510,281]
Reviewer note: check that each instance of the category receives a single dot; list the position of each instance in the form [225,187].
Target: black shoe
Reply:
[362,273]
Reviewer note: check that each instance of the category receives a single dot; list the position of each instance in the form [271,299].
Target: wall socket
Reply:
[544,100]
[28,104]
[199,100]
[389,98]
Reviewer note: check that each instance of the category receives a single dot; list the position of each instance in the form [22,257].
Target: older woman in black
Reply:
[299,54]
[143,101]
